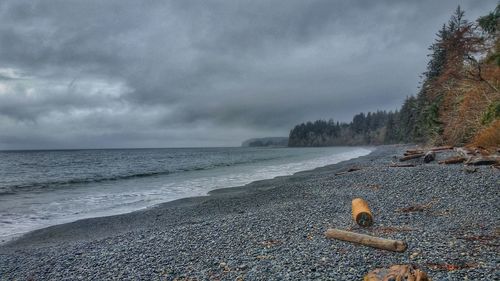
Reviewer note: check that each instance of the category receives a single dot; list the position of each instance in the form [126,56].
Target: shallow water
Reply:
[43,188]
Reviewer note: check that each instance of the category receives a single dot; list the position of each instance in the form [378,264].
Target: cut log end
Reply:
[361,212]
[399,246]
[429,156]
[364,219]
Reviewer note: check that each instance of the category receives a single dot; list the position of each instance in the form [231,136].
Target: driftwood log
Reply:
[483,160]
[413,151]
[402,165]
[452,160]
[361,212]
[465,151]
[406,153]
[429,156]
[397,272]
[411,156]
[367,240]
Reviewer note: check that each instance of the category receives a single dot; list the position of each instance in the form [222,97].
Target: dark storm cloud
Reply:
[181,73]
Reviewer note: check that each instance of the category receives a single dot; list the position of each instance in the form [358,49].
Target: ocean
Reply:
[43,188]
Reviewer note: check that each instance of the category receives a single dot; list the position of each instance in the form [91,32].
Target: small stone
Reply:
[242,267]
[414,255]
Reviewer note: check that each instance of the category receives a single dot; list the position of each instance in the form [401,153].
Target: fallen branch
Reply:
[413,151]
[452,160]
[402,165]
[481,238]
[411,156]
[418,207]
[348,171]
[367,240]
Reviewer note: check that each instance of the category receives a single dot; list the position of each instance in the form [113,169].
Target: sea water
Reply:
[43,188]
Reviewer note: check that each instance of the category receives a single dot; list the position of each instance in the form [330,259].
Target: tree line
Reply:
[458,102]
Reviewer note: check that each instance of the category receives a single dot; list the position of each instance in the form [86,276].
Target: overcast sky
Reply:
[119,73]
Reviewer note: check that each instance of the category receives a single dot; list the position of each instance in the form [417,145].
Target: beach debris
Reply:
[264,257]
[453,160]
[429,156]
[489,239]
[402,165]
[224,267]
[422,151]
[480,238]
[435,149]
[478,156]
[465,151]
[397,272]
[361,213]
[483,160]
[270,243]
[411,156]
[352,169]
[418,207]
[451,267]
[413,151]
[414,255]
[441,148]
[366,240]
[470,170]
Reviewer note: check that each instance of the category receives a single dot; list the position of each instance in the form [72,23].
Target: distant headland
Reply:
[267,141]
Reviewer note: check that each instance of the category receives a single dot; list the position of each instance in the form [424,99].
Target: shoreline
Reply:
[13,237]
[273,229]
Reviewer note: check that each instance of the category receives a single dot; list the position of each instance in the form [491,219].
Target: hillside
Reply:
[268,141]
[458,102]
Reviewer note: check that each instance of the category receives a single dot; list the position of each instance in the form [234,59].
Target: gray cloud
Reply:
[203,73]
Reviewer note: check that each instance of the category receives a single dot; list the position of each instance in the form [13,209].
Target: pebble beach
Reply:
[274,229]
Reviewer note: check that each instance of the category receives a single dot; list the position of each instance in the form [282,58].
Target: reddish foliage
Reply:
[489,137]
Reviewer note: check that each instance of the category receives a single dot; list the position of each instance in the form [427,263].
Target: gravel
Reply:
[273,229]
